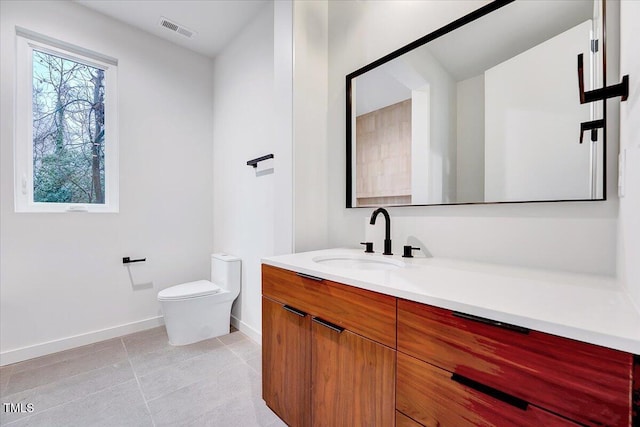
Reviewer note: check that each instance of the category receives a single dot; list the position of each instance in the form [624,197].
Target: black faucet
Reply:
[387,228]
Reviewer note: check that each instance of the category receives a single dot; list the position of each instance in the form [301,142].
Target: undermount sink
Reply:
[359,262]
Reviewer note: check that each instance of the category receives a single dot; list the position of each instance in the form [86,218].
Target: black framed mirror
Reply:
[483,110]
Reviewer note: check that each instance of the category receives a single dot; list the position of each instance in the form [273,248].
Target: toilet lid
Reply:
[198,288]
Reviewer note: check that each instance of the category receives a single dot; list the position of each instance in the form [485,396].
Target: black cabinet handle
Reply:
[294,310]
[490,391]
[329,325]
[508,326]
[308,276]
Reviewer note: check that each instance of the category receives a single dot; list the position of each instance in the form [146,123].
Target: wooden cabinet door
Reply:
[286,361]
[352,379]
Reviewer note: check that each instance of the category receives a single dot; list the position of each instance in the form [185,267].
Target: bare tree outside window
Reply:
[68,131]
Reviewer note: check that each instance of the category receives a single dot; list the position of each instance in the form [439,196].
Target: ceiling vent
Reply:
[176,28]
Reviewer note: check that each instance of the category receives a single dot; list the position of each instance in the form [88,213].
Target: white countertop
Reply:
[587,308]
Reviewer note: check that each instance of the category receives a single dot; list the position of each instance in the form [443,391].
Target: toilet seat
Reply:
[199,288]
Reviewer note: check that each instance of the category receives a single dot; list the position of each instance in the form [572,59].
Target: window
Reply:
[66,127]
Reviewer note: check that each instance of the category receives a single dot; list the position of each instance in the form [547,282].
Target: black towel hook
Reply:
[621,89]
[593,126]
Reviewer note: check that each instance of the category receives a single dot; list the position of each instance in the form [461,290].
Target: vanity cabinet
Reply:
[328,351]
[455,369]
[337,355]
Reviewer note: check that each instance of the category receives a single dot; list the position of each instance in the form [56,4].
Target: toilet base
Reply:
[196,319]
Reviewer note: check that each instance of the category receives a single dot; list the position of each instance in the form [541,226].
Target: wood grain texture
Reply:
[383,201]
[286,363]
[353,380]
[367,313]
[383,152]
[583,382]
[635,397]
[427,394]
[403,421]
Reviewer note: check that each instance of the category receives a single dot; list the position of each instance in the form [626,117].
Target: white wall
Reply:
[310,26]
[283,93]
[532,149]
[441,180]
[421,145]
[565,236]
[263,102]
[244,213]
[629,220]
[470,140]
[379,88]
[62,279]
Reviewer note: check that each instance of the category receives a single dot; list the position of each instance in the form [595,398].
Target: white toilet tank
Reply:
[226,272]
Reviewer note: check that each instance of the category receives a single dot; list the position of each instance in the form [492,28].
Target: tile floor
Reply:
[141,380]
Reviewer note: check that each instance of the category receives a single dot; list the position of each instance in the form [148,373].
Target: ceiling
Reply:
[472,49]
[215,22]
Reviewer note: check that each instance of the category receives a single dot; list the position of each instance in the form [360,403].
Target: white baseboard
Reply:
[249,331]
[24,353]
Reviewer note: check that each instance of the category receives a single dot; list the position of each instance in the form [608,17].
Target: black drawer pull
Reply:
[329,325]
[294,310]
[308,276]
[490,391]
[514,328]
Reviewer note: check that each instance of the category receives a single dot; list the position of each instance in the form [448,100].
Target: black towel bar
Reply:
[127,260]
[254,162]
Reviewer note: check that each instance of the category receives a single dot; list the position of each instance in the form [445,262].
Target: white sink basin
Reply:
[359,262]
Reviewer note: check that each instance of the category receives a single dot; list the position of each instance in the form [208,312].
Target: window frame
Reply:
[26,43]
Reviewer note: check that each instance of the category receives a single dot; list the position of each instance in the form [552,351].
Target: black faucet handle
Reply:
[368,247]
[408,251]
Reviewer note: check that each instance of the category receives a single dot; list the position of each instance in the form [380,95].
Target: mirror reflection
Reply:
[488,112]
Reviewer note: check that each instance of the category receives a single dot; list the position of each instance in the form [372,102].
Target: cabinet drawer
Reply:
[430,396]
[583,382]
[367,313]
[403,421]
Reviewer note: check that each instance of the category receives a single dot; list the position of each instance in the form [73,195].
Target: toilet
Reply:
[199,310]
